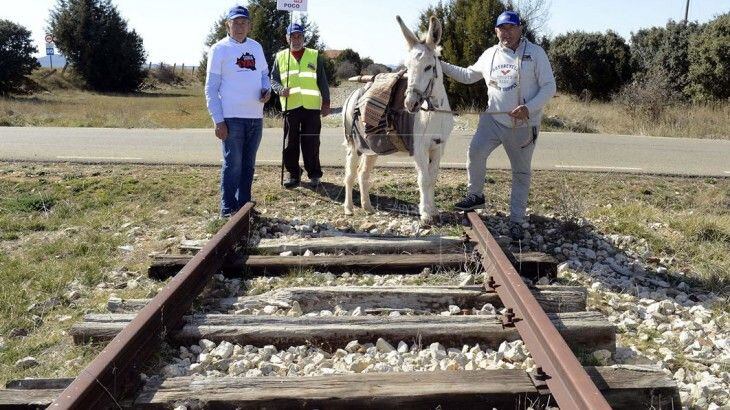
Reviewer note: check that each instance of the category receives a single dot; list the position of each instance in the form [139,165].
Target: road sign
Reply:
[291,5]
[49,38]
[50,50]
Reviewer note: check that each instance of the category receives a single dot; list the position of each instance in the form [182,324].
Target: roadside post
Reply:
[50,47]
[291,6]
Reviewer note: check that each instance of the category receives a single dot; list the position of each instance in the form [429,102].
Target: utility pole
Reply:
[686,13]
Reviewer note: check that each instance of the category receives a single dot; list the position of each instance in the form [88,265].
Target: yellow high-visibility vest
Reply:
[302,80]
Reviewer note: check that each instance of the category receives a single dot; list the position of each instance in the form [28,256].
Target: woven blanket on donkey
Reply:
[383,126]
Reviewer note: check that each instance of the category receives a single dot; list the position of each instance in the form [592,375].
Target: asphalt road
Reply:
[555,150]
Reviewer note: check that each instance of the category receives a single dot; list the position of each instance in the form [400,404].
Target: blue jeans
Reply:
[239,159]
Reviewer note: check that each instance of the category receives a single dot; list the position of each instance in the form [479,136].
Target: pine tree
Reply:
[16,57]
[468,30]
[97,42]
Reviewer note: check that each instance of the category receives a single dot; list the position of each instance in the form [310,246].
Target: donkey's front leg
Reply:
[350,174]
[425,206]
[366,167]
[435,155]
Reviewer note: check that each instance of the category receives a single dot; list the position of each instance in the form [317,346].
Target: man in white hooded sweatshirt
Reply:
[520,82]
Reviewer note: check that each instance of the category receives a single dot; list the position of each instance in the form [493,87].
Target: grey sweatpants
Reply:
[519,145]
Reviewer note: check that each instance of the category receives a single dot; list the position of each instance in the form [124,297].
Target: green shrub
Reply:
[592,64]
[709,69]
[16,57]
[662,54]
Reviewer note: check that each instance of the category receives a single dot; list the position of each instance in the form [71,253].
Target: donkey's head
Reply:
[422,63]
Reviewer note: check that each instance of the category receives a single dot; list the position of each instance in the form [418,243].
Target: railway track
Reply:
[551,321]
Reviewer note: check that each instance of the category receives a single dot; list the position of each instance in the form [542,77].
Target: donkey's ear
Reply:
[411,38]
[433,38]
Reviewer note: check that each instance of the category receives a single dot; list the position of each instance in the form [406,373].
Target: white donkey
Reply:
[426,98]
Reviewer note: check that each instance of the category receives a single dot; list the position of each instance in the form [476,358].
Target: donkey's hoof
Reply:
[349,212]
[369,209]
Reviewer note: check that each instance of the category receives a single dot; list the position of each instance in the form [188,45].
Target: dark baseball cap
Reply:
[236,12]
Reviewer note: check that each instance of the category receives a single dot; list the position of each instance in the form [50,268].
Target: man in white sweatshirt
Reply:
[520,82]
[236,88]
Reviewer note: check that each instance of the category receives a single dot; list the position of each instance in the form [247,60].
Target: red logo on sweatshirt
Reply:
[247,62]
[505,72]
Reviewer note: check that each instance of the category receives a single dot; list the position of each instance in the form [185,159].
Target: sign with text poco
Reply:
[291,5]
[50,49]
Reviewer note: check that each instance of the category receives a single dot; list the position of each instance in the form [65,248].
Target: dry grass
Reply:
[61,103]
[64,104]
[689,121]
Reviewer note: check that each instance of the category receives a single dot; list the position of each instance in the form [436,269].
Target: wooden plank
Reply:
[531,265]
[38,384]
[624,388]
[118,305]
[165,266]
[353,243]
[553,299]
[534,265]
[27,399]
[583,331]
[436,299]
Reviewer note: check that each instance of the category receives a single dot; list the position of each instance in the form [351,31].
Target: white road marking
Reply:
[102,158]
[443,164]
[598,167]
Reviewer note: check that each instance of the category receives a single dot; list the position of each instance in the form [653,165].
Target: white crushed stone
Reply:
[382,357]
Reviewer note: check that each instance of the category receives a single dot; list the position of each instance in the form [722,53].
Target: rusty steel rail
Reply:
[115,371]
[558,368]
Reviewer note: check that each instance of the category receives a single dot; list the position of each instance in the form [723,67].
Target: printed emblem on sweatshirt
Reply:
[247,62]
[504,77]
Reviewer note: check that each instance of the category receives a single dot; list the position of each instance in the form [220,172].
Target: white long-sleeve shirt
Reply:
[237,72]
[498,66]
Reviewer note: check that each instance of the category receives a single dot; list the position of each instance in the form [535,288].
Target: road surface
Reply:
[555,150]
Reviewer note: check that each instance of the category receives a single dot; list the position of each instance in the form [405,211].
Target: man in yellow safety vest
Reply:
[298,76]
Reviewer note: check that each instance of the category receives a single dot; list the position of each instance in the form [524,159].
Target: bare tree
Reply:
[534,13]
[346,69]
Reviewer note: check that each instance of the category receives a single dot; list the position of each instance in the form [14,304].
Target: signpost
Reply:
[50,47]
[291,6]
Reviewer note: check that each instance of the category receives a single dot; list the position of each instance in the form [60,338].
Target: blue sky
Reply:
[174,30]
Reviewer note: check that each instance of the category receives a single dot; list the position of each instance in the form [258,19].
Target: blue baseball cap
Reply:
[236,12]
[508,17]
[294,28]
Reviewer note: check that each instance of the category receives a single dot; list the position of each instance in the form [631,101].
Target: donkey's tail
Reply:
[348,115]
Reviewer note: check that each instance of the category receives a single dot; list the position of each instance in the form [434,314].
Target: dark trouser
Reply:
[302,127]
